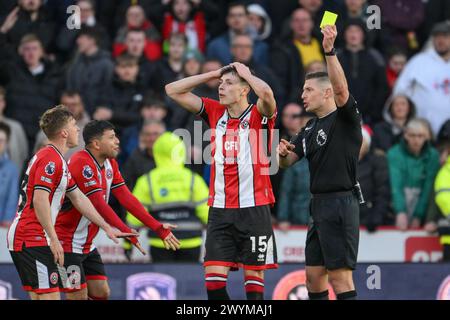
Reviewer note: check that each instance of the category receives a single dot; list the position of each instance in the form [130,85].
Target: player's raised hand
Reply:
[58,252]
[329,36]
[242,70]
[285,148]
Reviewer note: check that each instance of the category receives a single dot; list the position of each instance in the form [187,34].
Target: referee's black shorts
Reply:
[333,233]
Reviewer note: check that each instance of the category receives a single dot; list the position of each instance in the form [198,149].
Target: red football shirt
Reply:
[75,232]
[240,156]
[48,171]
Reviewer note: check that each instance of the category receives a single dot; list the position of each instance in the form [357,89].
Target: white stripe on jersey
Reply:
[80,235]
[219,181]
[12,229]
[59,194]
[109,181]
[245,167]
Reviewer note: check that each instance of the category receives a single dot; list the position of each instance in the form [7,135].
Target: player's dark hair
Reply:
[316,75]
[55,119]
[94,130]
[6,129]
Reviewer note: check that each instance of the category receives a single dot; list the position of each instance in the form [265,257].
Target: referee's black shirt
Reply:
[332,145]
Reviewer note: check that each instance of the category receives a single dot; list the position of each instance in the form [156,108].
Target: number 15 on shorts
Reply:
[262,243]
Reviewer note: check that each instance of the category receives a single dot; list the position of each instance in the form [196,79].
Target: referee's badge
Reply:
[321,137]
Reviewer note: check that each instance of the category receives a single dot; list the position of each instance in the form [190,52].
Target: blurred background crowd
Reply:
[116,65]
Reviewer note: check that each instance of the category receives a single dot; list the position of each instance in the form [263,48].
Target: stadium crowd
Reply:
[115,66]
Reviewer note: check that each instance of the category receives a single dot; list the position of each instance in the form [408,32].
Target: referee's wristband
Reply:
[331,53]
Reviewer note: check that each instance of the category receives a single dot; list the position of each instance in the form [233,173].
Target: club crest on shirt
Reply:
[109,173]
[50,168]
[321,137]
[87,172]
[244,124]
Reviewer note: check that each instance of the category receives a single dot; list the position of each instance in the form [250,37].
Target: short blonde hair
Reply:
[55,119]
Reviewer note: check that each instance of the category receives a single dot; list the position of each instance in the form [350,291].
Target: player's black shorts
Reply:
[80,268]
[240,238]
[333,234]
[37,269]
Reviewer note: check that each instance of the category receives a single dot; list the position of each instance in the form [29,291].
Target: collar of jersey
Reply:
[327,114]
[56,149]
[95,160]
[244,114]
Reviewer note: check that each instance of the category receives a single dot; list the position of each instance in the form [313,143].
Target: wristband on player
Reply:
[331,53]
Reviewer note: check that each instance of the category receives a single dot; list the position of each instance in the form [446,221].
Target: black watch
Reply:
[331,53]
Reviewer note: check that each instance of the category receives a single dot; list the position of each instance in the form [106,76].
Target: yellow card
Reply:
[329,19]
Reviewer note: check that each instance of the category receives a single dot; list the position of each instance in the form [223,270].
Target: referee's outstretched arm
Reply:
[334,68]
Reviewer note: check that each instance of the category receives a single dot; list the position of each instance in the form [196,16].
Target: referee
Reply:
[331,142]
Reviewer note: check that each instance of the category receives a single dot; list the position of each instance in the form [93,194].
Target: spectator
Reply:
[169,68]
[365,71]
[192,65]
[174,193]
[435,11]
[238,23]
[9,180]
[72,100]
[291,120]
[91,71]
[396,62]
[33,85]
[426,79]
[413,164]
[357,9]
[152,110]
[122,98]
[211,88]
[187,17]
[141,160]
[295,196]
[373,176]
[397,112]
[135,41]
[316,66]
[242,50]
[401,19]
[136,20]
[260,21]
[290,56]
[28,17]
[66,39]
[18,144]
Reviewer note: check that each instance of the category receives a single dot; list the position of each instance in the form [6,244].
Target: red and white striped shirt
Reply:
[240,156]
[48,171]
[75,232]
